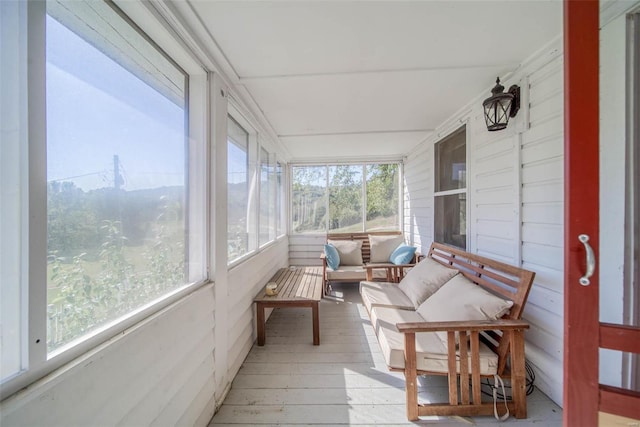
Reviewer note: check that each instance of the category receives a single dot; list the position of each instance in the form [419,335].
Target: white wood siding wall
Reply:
[244,283]
[305,249]
[543,224]
[515,200]
[418,197]
[158,372]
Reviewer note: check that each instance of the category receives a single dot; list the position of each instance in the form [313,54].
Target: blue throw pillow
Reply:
[402,254]
[332,256]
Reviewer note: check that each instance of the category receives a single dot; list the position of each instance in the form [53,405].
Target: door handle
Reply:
[591,260]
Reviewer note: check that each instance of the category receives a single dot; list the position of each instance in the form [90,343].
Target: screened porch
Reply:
[161,160]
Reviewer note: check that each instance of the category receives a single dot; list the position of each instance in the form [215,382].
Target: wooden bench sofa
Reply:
[356,272]
[449,308]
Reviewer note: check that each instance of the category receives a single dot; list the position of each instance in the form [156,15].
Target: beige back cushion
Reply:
[383,246]
[424,279]
[461,299]
[350,251]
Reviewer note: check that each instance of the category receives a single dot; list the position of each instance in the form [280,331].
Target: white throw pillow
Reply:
[350,251]
[461,299]
[424,279]
[383,246]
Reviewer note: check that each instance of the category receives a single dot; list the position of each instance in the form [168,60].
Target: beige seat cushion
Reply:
[352,273]
[424,279]
[350,251]
[431,352]
[383,246]
[384,294]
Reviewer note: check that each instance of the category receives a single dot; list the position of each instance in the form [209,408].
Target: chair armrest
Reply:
[395,272]
[464,325]
[323,258]
[388,265]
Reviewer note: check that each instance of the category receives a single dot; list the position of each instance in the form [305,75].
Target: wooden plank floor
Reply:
[344,381]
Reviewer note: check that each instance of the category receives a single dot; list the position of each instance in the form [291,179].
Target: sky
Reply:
[97,109]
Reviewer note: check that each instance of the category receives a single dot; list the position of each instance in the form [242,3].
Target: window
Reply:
[267,198]
[383,196]
[238,179]
[309,199]
[253,189]
[450,190]
[280,209]
[345,198]
[273,198]
[115,193]
[13,194]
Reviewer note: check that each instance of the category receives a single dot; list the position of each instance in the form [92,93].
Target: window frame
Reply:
[36,363]
[436,194]
[631,362]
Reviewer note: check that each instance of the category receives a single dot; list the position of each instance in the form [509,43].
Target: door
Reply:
[588,339]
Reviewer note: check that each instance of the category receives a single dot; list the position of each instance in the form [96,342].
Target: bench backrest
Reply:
[366,245]
[502,279]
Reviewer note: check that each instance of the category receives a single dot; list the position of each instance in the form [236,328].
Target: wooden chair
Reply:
[393,273]
[505,337]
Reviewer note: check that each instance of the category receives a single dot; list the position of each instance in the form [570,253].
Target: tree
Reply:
[382,190]
[345,196]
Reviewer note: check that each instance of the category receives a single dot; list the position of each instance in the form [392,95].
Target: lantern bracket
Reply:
[515,104]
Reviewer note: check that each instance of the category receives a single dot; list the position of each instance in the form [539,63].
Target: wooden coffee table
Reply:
[297,287]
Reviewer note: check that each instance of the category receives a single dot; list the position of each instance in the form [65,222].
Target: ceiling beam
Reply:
[247,79]
[365,132]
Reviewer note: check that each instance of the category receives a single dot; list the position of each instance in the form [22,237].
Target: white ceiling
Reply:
[346,79]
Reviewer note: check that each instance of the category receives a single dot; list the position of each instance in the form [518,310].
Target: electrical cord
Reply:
[529,383]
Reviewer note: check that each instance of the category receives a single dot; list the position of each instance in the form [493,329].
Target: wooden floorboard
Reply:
[344,381]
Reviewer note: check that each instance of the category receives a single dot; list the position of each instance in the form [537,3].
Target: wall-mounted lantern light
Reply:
[500,106]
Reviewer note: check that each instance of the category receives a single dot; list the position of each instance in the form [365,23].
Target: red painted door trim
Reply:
[581,119]
[619,401]
[620,337]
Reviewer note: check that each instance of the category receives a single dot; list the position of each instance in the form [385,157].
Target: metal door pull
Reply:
[591,260]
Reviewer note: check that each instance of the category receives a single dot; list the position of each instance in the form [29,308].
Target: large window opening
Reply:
[237,190]
[345,198]
[280,208]
[267,197]
[254,190]
[450,190]
[116,173]
[309,199]
[98,226]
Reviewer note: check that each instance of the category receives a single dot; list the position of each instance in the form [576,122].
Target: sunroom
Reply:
[162,160]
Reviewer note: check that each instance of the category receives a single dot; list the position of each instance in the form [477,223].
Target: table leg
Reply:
[316,324]
[260,320]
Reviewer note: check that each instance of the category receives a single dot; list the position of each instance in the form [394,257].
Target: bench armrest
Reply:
[464,325]
[467,347]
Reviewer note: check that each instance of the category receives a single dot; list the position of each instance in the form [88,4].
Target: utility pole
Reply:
[118,181]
